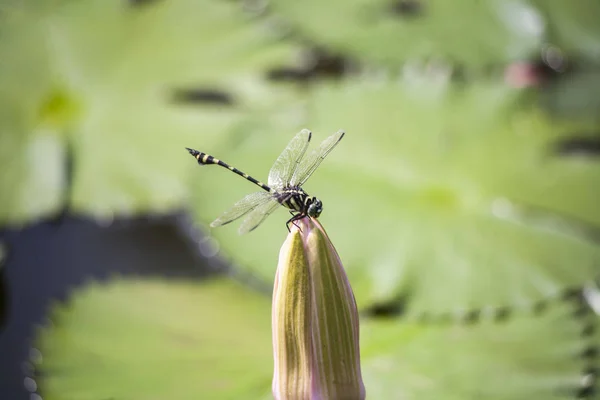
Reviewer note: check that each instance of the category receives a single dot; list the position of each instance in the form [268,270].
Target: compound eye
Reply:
[314,210]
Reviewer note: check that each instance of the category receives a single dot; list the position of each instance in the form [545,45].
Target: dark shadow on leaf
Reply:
[540,307]
[137,3]
[315,63]
[201,96]
[407,8]
[389,309]
[69,172]
[578,145]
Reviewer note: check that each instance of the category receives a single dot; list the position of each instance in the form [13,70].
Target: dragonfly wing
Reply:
[257,216]
[242,207]
[312,161]
[288,161]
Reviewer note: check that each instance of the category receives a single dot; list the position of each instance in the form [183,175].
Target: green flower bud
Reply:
[315,321]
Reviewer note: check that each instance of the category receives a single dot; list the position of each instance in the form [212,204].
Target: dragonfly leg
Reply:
[287,224]
[295,217]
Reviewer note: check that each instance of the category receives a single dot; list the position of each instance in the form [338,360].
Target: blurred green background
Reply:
[464,199]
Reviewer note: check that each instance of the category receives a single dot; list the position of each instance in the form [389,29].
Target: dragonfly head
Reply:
[315,207]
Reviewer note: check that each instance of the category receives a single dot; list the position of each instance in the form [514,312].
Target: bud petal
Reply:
[315,321]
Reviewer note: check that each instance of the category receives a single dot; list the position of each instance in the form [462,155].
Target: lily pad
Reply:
[106,101]
[447,197]
[391,33]
[573,27]
[574,95]
[526,357]
[158,340]
[151,339]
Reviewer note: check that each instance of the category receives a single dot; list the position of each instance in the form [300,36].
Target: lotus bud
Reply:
[314,320]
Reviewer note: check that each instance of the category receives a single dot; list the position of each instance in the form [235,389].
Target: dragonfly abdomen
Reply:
[207,159]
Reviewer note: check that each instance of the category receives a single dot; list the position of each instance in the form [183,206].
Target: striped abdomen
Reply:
[206,159]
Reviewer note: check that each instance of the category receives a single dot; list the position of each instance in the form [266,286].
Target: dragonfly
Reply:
[284,186]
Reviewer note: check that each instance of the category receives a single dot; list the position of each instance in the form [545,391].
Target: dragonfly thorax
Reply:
[298,200]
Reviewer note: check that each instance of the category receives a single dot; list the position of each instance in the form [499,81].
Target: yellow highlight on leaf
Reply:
[59,109]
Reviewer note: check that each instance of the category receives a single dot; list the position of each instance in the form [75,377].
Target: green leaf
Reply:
[109,99]
[150,339]
[449,197]
[573,27]
[574,95]
[34,183]
[525,357]
[376,31]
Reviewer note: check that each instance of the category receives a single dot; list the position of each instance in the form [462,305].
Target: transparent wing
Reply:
[312,161]
[257,216]
[289,159]
[243,207]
